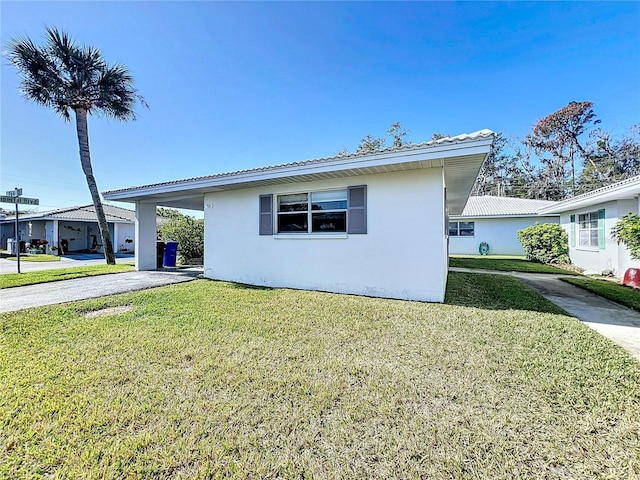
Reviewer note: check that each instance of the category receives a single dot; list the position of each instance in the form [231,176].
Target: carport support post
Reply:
[145,236]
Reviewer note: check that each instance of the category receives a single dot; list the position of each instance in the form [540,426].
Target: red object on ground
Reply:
[632,278]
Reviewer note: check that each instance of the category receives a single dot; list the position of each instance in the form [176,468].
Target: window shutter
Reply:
[601,231]
[572,231]
[357,210]
[266,214]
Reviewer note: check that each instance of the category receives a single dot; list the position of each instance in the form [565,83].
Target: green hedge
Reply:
[546,243]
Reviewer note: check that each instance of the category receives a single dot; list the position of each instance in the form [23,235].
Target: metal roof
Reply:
[461,157]
[82,213]
[491,206]
[629,188]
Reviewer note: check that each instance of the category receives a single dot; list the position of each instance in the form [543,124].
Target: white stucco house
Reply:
[368,224]
[495,221]
[588,220]
[73,229]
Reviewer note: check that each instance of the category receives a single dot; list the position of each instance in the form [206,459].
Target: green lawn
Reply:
[29,278]
[627,296]
[504,263]
[218,380]
[35,258]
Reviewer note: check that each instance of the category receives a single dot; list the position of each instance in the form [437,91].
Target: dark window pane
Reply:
[329,222]
[295,222]
[453,229]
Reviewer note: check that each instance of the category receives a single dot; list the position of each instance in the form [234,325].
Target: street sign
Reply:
[14,193]
[20,200]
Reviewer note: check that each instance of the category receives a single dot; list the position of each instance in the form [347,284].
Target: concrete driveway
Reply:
[51,293]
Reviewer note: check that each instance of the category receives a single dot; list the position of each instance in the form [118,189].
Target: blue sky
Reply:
[239,85]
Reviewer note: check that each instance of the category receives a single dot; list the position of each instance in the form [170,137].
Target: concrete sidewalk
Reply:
[51,293]
[612,320]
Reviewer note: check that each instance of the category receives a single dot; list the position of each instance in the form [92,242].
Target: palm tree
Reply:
[66,77]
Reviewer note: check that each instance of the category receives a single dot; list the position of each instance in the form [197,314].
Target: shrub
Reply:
[627,231]
[546,243]
[187,231]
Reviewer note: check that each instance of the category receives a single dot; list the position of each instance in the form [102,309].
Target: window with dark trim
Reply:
[313,212]
[324,211]
[461,229]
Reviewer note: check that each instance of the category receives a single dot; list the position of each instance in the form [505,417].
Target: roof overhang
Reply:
[625,189]
[460,157]
[511,215]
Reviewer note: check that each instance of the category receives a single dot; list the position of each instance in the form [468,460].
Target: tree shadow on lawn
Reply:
[495,292]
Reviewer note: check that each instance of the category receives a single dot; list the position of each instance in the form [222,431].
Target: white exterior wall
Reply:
[500,233]
[36,230]
[613,257]
[403,254]
[122,232]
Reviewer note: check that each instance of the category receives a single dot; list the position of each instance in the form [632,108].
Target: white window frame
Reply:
[310,213]
[588,217]
[457,232]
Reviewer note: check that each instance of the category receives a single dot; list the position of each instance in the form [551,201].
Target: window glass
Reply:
[332,200]
[453,229]
[294,222]
[467,229]
[293,203]
[329,222]
[588,229]
[584,238]
[314,212]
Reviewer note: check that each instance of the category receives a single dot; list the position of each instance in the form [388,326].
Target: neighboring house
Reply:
[73,229]
[368,224]
[495,221]
[589,218]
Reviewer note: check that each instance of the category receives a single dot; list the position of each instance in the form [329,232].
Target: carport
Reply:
[146,201]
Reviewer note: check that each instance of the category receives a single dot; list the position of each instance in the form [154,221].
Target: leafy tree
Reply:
[610,159]
[186,230]
[556,141]
[370,144]
[545,243]
[501,171]
[627,231]
[70,78]
[397,132]
[438,136]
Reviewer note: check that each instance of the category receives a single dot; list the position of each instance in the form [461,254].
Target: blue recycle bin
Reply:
[170,254]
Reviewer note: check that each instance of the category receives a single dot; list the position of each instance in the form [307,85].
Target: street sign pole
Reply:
[17,244]
[15,196]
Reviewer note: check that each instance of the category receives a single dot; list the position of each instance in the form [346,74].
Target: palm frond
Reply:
[64,76]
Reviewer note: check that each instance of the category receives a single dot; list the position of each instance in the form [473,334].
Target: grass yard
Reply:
[30,278]
[218,380]
[627,296]
[504,263]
